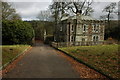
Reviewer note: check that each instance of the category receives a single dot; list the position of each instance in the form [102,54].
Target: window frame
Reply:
[85,28]
[95,38]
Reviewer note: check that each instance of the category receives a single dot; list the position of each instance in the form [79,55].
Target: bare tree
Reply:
[109,9]
[88,9]
[45,15]
[60,8]
[83,7]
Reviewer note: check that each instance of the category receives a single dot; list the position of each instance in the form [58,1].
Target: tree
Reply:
[41,26]
[16,32]
[58,9]
[82,7]
[109,9]
[45,15]
[55,9]
[15,16]
[112,27]
[44,24]
[9,13]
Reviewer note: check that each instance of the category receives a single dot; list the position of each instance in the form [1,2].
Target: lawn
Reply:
[9,52]
[103,58]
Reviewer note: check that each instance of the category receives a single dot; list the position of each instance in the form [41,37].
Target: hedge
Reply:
[16,32]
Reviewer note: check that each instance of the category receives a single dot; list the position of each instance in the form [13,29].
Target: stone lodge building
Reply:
[79,30]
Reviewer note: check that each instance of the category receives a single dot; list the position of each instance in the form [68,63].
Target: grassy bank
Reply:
[104,58]
[9,52]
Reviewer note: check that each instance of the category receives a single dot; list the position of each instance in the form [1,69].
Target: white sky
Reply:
[29,9]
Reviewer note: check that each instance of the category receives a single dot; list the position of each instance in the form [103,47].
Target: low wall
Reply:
[67,44]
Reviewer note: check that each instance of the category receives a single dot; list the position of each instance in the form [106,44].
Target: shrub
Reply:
[16,32]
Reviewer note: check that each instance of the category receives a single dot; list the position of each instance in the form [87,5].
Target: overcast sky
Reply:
[29,10]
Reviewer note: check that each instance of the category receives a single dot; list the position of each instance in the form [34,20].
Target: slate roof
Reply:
[74,17]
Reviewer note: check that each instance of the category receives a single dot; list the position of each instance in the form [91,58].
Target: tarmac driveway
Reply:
[42,62]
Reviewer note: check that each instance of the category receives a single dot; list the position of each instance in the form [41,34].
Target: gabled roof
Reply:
[81,16]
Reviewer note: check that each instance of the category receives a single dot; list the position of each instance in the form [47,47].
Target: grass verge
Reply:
[103,58]
[9,52]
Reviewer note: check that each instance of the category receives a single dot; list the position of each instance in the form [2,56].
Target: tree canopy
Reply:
[58,9]
[9,13]
[16,32]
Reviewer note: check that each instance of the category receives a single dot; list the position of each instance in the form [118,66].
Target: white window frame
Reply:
[97,28]
[85,28]
[95,37]
[93,27]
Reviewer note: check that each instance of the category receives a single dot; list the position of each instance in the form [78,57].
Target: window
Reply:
[85,28]
[95,27]
[95,38]
[72,28]
[55,39]
[83,39]
[72,38]
[60,28]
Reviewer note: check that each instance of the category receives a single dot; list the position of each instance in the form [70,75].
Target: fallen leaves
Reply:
[83,70]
